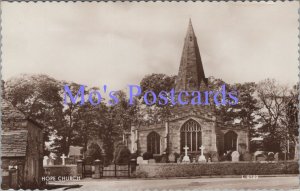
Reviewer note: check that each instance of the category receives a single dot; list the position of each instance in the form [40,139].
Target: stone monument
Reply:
[186,158]
[235,156]
[202,157]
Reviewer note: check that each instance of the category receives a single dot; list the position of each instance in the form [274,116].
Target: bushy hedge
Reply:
[221,168]
[147,156]
[123,156]
[60,170]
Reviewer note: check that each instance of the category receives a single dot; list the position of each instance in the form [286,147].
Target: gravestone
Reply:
[202,157]
[276,157]
[171,157]
[63,157]
[151,161]
[45,161]
[139,160]
[235,156]
[209,159]
[186,158]
[194,160]
[51,161]
[145,162]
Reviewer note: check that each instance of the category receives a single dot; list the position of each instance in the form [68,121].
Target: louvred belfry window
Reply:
[190,136]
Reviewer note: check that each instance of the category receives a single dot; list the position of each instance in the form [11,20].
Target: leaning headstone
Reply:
[139,160]
[235,156]
[151,161]
[171,157]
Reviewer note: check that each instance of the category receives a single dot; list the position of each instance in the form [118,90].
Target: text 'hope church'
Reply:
[191,129]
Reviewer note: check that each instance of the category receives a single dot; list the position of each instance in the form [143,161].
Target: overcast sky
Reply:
[118,43]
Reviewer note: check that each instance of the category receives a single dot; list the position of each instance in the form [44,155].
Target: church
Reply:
[189,125]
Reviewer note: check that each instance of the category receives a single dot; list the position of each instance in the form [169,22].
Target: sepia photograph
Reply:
[150,95]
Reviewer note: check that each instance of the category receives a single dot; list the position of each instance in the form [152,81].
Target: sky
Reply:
[119,43]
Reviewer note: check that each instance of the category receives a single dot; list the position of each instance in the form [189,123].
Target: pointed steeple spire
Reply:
[191,74]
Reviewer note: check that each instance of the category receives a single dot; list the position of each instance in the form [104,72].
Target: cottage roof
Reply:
[13,143]
[9,112]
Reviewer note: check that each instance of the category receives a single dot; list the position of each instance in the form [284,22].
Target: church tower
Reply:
[191,75]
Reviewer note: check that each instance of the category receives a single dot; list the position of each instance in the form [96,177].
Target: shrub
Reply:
[157,158]
[94,152]
[147,156]
[177,156]
[123,156]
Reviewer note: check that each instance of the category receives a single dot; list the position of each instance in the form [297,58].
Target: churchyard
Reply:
[126,165]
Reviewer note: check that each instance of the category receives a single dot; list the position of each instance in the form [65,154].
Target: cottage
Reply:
[21,148]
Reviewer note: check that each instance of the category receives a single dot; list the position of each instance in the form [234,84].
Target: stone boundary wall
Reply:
[213,169]
[60,170]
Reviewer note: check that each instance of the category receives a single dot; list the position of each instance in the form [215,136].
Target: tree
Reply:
[156,83]
[289,131]
[94,152]
[243,113]
[64,135]
[273,99]
[38,96]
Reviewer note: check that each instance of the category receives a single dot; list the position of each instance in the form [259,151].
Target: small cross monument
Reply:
[186,158]
[63,157]
[202,157]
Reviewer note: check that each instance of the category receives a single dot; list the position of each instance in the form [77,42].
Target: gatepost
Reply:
[97,169]
[80,168]
[132,168]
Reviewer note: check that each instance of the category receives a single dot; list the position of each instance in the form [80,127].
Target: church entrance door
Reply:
[230,141]
[153,143]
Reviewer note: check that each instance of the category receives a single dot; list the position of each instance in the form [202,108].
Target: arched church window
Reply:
[153,143]
[190,136]
[230,141]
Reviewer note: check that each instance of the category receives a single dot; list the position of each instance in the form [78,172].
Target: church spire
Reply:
[191,74]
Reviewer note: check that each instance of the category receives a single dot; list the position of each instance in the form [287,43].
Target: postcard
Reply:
[150,95]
